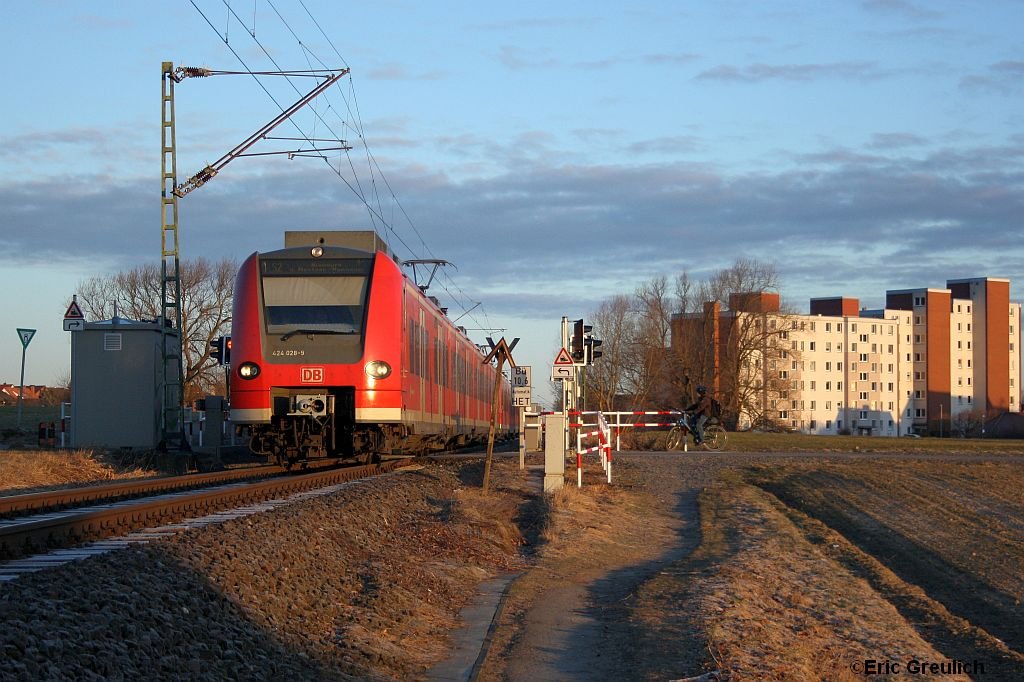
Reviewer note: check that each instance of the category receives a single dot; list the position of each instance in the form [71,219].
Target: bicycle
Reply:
[715,434]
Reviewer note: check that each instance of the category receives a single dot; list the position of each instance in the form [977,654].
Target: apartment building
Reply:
[932,361]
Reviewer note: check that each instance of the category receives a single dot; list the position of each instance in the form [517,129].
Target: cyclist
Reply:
[700,412]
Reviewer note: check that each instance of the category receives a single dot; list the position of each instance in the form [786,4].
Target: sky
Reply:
[557,154]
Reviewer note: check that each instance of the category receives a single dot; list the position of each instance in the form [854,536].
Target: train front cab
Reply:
[317,352]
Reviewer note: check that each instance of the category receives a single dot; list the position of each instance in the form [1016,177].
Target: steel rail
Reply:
[59,529]
[24,503]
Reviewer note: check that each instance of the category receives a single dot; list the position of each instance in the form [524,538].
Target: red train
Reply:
[337,353]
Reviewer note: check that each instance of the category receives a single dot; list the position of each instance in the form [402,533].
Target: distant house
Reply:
[34,395]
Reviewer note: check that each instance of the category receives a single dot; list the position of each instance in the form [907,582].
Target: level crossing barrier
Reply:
[620,421]
[599,430]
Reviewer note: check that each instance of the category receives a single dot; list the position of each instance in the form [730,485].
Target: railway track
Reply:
[59,530]
[35,503]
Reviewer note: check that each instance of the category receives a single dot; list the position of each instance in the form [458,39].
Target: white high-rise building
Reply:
[933,361]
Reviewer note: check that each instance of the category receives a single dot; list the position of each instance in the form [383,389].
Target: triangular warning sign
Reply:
[74,312]
[563,358]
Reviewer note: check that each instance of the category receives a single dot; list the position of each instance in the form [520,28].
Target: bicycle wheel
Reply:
[714,437]
[675,437]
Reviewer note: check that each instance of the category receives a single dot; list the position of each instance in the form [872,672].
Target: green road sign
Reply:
[26,336]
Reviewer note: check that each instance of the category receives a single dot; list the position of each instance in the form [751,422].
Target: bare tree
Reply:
[737,341]
[206,296]
[609,377]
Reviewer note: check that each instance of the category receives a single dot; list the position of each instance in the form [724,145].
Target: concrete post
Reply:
[554,452]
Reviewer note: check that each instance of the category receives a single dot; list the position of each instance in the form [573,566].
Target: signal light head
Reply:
[377,369]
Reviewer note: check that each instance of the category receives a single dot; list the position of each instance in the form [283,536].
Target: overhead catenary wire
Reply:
[351,105]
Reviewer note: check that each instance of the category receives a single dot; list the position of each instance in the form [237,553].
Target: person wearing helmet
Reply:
[700,413]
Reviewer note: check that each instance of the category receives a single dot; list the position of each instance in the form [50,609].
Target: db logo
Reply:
[311,375]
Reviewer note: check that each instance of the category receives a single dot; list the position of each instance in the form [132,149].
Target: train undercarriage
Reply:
[311,426]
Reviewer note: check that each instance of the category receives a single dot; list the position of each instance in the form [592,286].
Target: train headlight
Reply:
[377,369]
[248,370]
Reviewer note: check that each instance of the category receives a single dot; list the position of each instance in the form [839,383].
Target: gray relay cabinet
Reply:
[116,380]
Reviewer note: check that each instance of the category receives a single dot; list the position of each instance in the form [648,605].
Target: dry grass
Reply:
[23,471]
[777,607]
[749,441]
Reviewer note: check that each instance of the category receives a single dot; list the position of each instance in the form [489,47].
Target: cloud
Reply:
[533,231]
[896,141]
[670,59]
[399,72]
[520,58]
[1002,78]
[903,8]
[793,72]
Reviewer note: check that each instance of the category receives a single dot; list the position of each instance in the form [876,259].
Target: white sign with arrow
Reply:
[563,368]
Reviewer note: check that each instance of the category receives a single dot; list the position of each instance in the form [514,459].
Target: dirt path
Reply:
[685,566]
[585,611]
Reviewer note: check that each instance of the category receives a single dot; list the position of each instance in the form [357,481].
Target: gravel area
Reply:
[363,584]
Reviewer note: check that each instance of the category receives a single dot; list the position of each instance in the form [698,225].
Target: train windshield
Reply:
[316,302]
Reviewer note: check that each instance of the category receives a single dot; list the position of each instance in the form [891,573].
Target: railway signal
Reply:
[580,331]
[217,350]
